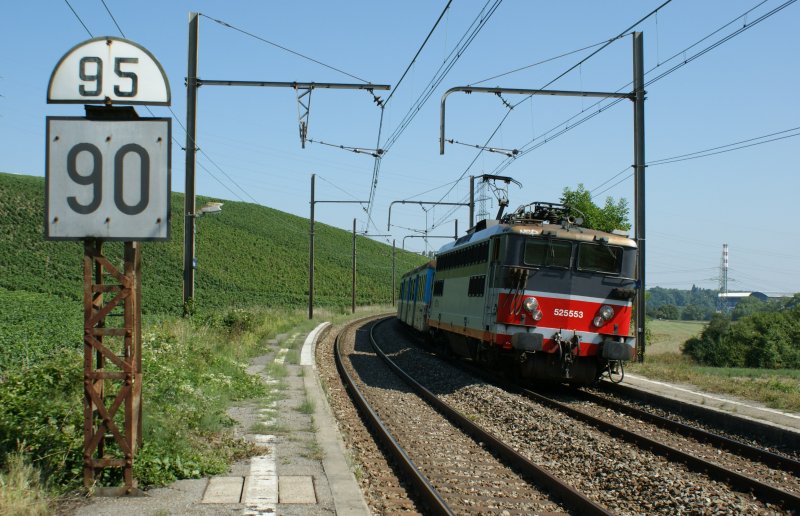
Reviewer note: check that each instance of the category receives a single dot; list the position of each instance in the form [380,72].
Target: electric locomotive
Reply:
[534,292]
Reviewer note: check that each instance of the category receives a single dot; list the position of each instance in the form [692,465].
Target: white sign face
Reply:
[107,179]
[108,70]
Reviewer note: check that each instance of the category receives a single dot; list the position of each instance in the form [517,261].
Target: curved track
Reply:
[452,472]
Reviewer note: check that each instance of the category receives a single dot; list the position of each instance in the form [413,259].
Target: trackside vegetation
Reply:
[251,284]
[768,340]
[194,369]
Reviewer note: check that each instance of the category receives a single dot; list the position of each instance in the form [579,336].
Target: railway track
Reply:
[452,473]
[645,474]
[717,440]
[748,431]
[704,457]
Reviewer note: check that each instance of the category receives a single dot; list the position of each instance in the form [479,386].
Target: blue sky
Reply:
[741,90]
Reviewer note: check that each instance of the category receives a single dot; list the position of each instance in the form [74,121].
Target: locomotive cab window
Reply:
[548,253]
[599,258]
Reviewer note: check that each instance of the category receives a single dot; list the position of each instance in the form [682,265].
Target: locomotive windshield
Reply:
[548,253]
[599,258]
[589,257]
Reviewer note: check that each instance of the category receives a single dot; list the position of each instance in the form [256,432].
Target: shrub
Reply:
[762,340]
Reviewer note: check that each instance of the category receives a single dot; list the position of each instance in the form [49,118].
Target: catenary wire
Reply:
[668,161]
[447,64]
[263,40]
[338,188]
[579,63]
[79,18]
[414,59]
[705,153]
[112,18]
[458,50]
[655,161]
[175,117]
[376,166]
[526,148]
[543,61]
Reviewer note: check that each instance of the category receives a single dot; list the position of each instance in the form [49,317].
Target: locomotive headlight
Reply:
[606,312]
[537,315]
[531,304]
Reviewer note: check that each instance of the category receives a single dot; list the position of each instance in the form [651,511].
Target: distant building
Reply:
[728,300]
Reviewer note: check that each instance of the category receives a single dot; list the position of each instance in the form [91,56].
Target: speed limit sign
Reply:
[107,179]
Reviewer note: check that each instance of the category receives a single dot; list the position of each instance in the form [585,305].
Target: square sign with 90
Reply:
[107,179]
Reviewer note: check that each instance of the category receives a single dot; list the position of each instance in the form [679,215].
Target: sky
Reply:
[737,87]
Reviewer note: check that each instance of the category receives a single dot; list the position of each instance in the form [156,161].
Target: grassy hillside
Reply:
[248,255]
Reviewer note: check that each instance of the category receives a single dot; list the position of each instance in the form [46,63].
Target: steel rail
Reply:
[766,457]
[569,495]
[765,492]
[776,435]
[430,496]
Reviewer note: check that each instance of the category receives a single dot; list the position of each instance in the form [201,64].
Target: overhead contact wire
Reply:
[175,117]
[259,38]
[579,63]
[526,149]
[79,18]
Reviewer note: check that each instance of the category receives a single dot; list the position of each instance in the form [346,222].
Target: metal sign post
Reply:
[112,359]
[108,178]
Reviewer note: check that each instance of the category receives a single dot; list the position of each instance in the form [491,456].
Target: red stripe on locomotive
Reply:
[569,314]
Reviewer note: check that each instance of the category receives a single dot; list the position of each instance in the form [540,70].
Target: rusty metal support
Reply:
[112,372]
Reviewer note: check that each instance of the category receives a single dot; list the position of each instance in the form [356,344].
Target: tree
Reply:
[748,306]
[669,312]
[613,215]
[694,313]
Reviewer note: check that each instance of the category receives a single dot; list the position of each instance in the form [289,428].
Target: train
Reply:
[533,292]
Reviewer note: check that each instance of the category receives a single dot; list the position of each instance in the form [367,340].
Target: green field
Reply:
[775,388]
[669,336]
[248,255]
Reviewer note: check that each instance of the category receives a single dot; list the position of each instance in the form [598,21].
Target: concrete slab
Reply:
[223,490]
[296,489]
[260,491]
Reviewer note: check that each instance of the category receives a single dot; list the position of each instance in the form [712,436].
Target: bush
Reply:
[711,347]
[768,340]
[42,405]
